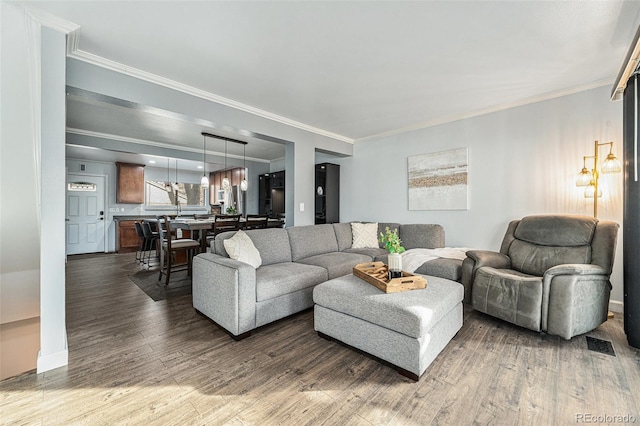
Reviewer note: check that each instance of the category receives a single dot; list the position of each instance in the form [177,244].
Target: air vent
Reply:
[602,346]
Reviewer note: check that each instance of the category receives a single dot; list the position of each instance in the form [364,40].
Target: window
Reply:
[189,194]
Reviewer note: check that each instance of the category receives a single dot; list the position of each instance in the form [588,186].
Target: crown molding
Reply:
[492,109]
[628,68]
[51,21]
[76,53]
[144,142]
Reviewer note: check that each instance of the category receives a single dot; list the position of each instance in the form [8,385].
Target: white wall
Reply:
[53,333]
[19,199]
[32,194]
[522,161]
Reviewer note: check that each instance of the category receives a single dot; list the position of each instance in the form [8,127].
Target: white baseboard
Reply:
[54,360]
[616,306]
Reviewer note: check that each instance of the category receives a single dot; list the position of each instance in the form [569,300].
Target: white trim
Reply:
[92,134]
[492,109]
[81,55]
[616,306]
[54,360]
[51,21]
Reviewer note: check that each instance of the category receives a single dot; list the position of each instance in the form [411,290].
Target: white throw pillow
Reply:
[240,247]
[365,235]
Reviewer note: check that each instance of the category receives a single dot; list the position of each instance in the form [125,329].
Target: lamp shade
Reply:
[584,178]
[588,192]
[204,181]
[244,185]
[611,165]
[226,184]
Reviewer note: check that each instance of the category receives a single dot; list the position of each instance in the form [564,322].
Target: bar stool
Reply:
[141,241]
[151,239]
[171,247]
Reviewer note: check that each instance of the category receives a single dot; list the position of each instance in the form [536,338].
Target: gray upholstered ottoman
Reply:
[407,329]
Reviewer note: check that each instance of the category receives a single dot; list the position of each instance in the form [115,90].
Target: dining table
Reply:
[201,226]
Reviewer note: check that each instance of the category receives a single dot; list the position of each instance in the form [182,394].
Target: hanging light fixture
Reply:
[167,185]
[226,185]
[244,185]
[205,180]
[175,184]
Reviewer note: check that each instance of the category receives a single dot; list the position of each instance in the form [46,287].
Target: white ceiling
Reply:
[364,68]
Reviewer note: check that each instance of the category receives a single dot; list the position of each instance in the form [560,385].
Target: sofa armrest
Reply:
[224,290]
[575,299]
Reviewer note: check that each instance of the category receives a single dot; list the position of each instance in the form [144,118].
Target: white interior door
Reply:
[85,214]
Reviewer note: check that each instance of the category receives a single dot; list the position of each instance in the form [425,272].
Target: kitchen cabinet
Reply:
[130,183]
[127,240]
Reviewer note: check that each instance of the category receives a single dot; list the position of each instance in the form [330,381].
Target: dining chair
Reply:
[226,222]
[256,221]
[171,247]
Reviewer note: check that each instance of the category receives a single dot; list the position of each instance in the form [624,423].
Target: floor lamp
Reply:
[590,179]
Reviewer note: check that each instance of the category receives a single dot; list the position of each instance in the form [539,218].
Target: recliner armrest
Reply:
[576,269]
[476,259]
[489,258]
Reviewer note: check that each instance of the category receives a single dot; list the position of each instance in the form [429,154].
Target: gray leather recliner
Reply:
[551,275]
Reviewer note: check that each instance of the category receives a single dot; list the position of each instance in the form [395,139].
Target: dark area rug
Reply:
[147,281]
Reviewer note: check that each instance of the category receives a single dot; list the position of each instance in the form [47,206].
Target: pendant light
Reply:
[244,185]
[167,185]
[225,182]
[205,180]
[175,184]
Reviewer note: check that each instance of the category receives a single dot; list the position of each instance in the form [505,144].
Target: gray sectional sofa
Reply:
[240,298]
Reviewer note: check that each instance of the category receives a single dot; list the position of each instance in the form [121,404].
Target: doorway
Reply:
[85,230]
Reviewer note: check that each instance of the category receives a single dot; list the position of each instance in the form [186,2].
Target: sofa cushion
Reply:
[372,252]
[421,235]
[365,235]
[272,244]
[311,240]
[338,263]
[284,278]
[240,247]
[343,235]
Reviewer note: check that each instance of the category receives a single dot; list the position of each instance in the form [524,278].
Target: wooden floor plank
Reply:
[136,361]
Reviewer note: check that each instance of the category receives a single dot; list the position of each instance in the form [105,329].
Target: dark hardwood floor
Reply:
[136,361]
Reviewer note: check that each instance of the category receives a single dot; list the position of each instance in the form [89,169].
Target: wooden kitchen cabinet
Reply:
[127,236]
[130,183]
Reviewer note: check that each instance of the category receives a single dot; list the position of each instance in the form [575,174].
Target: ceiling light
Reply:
[204,181]
[244,185]
[225,181]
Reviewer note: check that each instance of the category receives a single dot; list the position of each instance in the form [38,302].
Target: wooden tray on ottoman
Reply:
[377,273]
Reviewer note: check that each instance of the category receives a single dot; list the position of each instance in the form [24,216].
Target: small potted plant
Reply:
[392,242]
[231,210]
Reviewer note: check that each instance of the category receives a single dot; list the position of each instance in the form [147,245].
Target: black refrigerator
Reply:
[631,215]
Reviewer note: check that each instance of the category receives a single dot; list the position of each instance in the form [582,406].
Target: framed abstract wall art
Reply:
[438,181]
